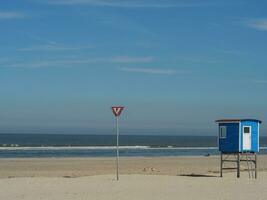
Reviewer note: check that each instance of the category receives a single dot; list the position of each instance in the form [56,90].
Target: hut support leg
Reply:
[221,165]
[256,173]
[238,165]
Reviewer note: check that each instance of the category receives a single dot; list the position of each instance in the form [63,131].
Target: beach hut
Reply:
[239,137]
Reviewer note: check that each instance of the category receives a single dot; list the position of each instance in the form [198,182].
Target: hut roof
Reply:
[236,120]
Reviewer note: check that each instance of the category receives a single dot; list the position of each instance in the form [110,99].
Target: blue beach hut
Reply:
[238,135]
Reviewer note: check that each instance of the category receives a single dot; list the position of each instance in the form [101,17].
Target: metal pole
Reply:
[117,127]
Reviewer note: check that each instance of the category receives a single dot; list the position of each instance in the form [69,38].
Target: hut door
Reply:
[247,138]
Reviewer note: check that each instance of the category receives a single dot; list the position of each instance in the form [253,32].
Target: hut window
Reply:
[246,129]
[223,131]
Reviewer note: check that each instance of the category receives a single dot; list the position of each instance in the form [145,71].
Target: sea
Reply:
[60,145]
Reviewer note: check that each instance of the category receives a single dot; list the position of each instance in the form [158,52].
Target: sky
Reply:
[176,66]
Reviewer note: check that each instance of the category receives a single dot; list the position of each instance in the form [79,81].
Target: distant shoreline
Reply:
[48,145]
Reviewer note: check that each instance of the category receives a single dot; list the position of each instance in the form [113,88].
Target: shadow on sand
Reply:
[198,175]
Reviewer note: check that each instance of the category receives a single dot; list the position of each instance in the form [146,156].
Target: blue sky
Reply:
[176,65]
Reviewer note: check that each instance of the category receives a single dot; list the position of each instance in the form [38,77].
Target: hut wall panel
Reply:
[231,142]
[254,135]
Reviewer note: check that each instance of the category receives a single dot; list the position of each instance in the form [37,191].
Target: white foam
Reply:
[74,148]
[103,148]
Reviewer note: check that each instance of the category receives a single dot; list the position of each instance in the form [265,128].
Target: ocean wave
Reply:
[72,148]
[103,148]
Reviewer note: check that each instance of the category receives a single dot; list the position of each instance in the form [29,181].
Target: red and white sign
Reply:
[117,110]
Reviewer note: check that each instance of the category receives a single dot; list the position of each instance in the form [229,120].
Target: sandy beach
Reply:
[142,178]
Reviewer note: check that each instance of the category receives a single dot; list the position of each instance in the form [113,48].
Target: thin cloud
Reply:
[260,81]
[233,52]
[78,62]
[52,63]
[4,59]
[259,24]
[149,71]
[37,38]
[197,59]
[123,3]
[51,47]
[129,59]
[11,15]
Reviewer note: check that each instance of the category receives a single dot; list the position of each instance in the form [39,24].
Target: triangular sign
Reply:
[117,110]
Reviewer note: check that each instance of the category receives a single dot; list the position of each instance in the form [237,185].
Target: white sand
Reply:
[143,178]
[134,187]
